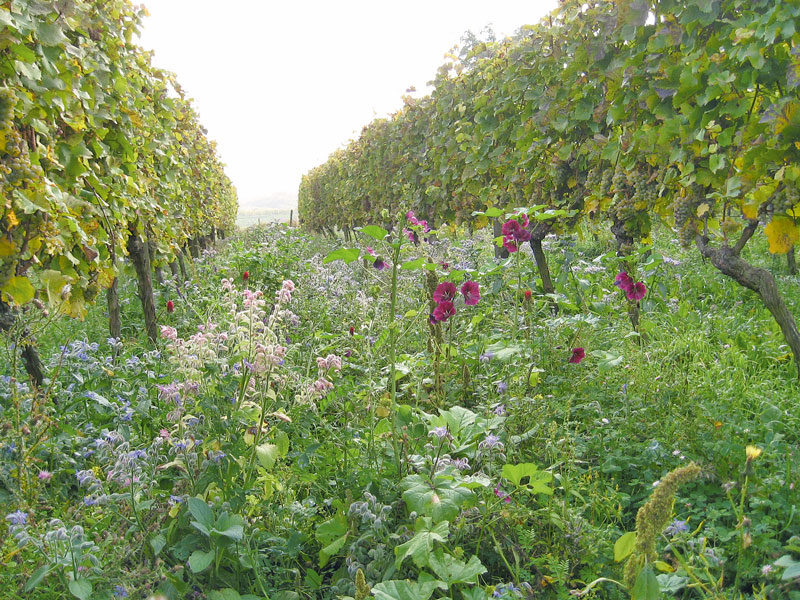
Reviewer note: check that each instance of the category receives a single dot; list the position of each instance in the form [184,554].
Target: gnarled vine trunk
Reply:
[30,356]
[537,235]
[140,257]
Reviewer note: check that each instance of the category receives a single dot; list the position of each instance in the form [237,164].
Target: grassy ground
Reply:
[345,480]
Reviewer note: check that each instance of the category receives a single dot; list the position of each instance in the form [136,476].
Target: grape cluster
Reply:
[560,170]
[16,170]
[684,208]
[605,182]
[785,198]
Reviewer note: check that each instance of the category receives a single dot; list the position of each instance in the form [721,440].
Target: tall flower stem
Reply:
[393,350]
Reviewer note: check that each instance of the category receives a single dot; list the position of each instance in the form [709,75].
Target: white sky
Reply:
[281,85]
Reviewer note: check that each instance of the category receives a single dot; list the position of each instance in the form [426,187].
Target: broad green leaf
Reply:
[406,590]
[451,570]
[224,594]
[374,231]
[267,454]
[201,511]
[420,547]
[413,264]
[199,561]
[19,290]
[282,442]
[50,34]
[80,588]
[332,534]
[229,526]
[157,543]
[442,498]
[516,473]
[623,547]
[348,255]
[37,577]
[646,586]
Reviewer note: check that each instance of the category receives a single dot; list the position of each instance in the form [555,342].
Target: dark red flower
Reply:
[513,234]
[246,275]
[352,331]
[636,292]
[445,292]
[527,295]
[170,306]
[578,354]
[623,281]
[472,293]
[444,310]
[432,319]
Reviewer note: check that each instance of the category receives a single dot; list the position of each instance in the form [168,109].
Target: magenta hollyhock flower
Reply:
[411,218]
[513,234]
[525,221]
[636,292]
[445,292]
[424,224]
[471,292]
[623,281]
[370,251]
[578,354]
[444,310]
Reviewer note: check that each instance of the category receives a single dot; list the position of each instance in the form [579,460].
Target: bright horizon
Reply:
[280,87]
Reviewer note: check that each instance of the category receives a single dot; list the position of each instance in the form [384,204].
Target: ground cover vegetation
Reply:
[310,427]
[571,404]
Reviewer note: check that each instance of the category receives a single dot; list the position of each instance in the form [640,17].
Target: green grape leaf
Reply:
[420,547]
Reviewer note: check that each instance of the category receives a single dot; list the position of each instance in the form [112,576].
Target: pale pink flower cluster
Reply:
[285,293]
[227,285]
[253,299]
[169,333]
[267,356]
[329,362]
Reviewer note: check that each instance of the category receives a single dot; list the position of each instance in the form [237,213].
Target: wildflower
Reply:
[432,319]
[471,293]
[246,275]
[119,590]
[444,311]
[486,357]
[676,527]
[766,570]
[352,331]
[752,453]
[370,251]
[501,494]
[17,518]
[445,292]
[439,432]
[578,354]
[502,387]
[513,234]
[411,218]
[500,410]
[491,441]
[45,475]
[636,292]
[527,295]
[380,264]
[623,281]
[170,306]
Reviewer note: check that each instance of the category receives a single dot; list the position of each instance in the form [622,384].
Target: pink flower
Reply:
[370,251]
[445,292]
[623,281]
[501,494]
[411,218]
[578,354]
[424,224]
[636,292]
[513,234]
[45,475]
[471,293]
[380,264]
[444,311]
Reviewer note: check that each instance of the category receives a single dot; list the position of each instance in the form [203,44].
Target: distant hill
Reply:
[284,201]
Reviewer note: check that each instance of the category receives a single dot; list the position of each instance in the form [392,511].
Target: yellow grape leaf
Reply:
[55,282]
[12,219]
[591,205]
[19,290]
[7,247]
[702,209]
[481,222]
[782,235]
[572,182]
